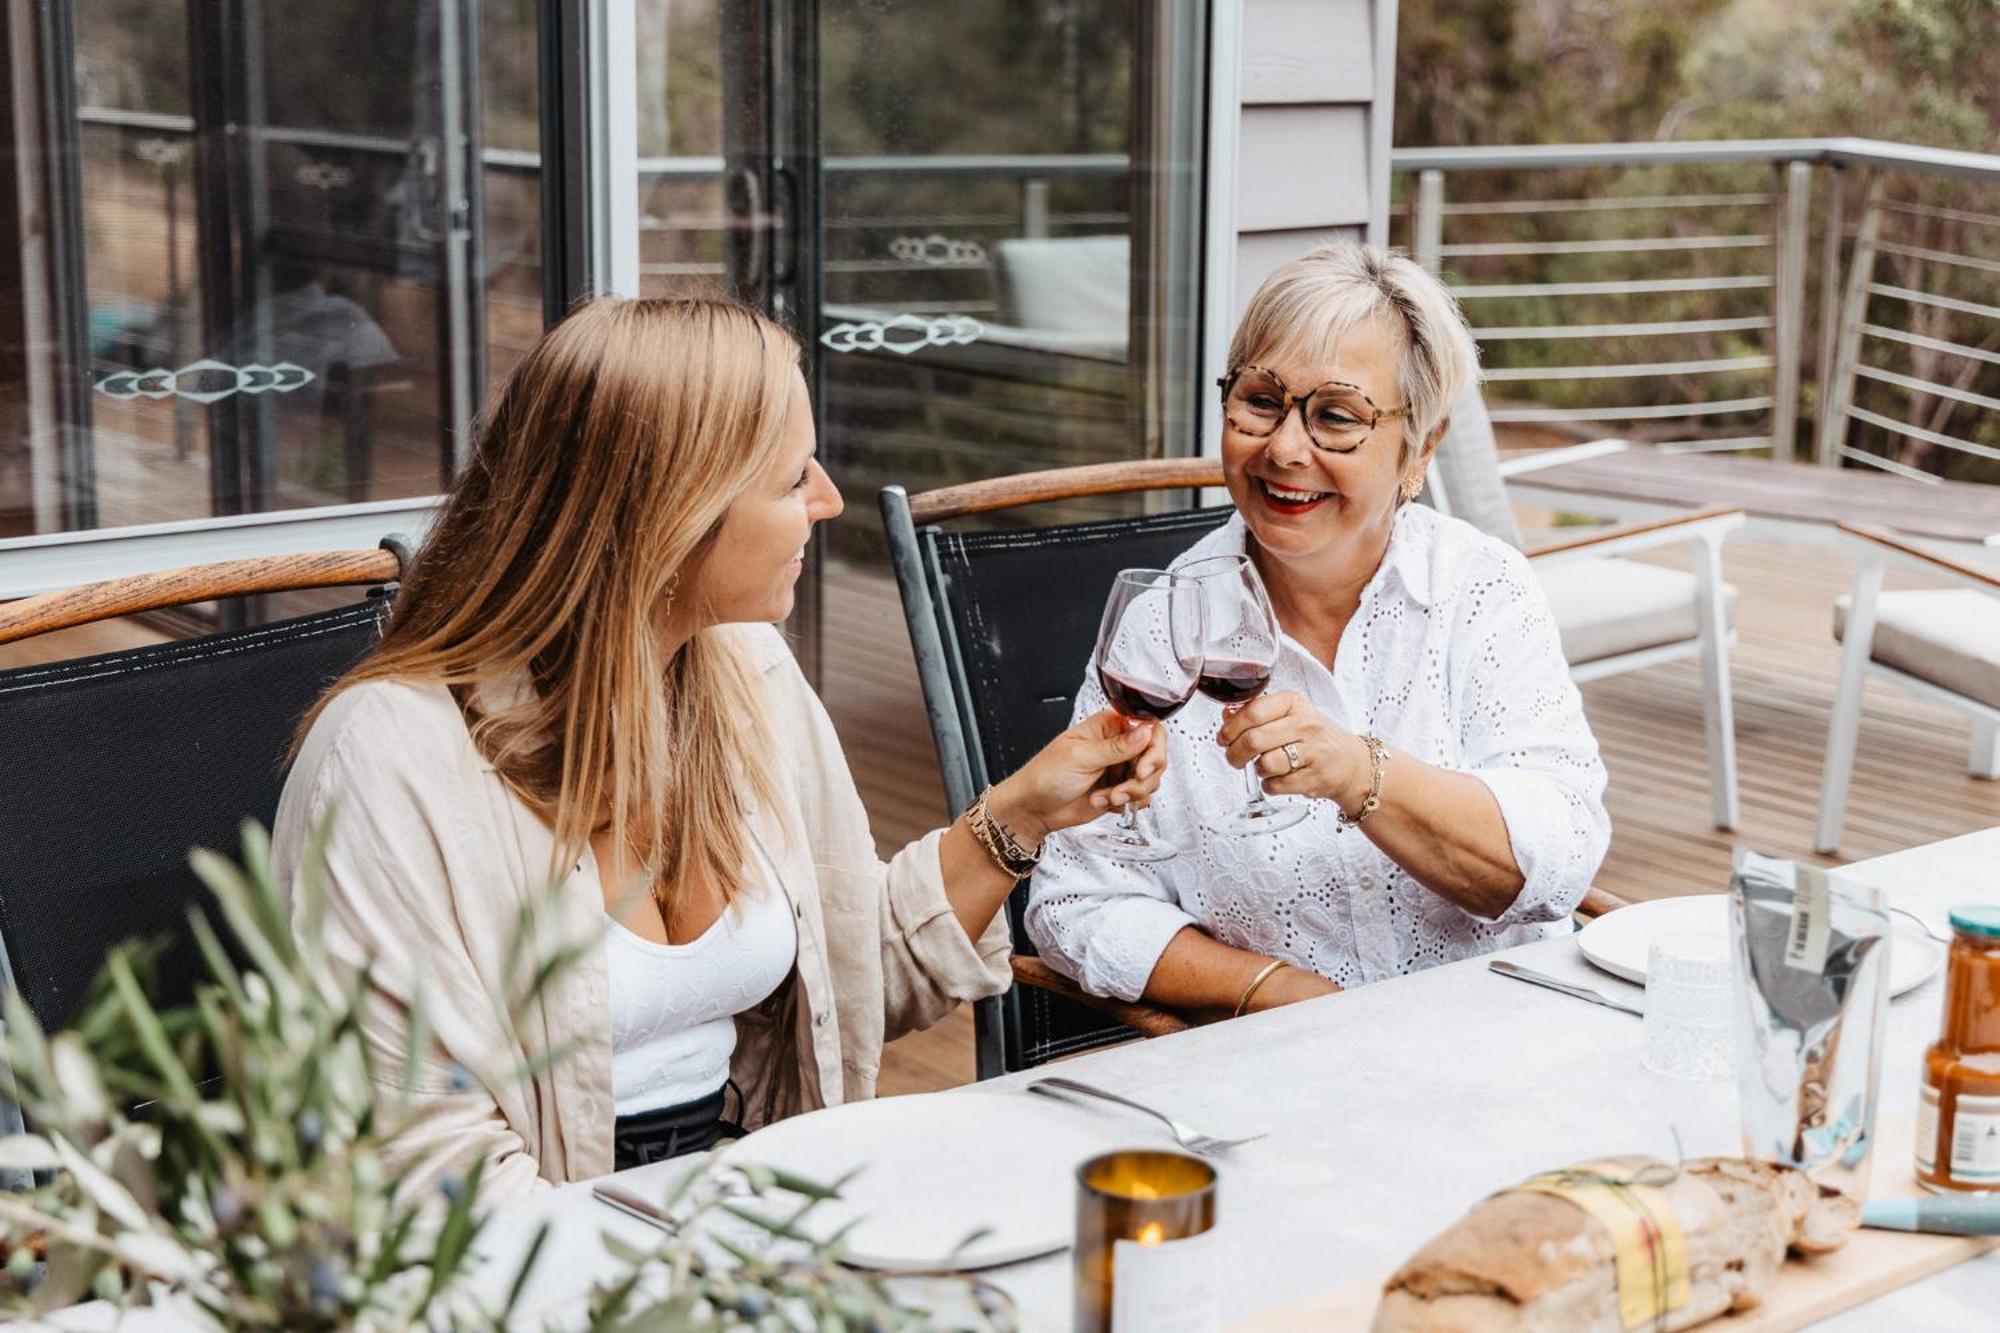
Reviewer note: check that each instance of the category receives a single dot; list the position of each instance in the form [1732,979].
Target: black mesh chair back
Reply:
[1003,625]
[115,766]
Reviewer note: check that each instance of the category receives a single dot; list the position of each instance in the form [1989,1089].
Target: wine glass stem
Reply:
[1255,781]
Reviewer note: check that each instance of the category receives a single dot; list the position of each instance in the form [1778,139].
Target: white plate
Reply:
[1618,941]
[933,1169]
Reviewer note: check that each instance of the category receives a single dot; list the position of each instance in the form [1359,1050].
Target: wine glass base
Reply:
[1127,845]
[1261,818]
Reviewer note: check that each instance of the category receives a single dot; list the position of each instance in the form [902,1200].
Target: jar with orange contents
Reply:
[1958,1116]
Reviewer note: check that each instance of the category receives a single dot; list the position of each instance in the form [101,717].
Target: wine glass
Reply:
[1148,661]
[1240,638]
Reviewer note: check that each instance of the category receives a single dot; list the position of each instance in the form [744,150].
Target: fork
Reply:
[1923,925]
[1186,1135]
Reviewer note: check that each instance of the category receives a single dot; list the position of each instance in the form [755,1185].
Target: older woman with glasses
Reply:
[1420,707]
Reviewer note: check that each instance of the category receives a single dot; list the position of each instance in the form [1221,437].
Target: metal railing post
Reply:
[1837,393]
[1035,207]
[1427,223]
[1789,307]
[1829,301]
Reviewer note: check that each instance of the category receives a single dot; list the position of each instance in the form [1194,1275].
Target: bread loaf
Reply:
[1524,1262]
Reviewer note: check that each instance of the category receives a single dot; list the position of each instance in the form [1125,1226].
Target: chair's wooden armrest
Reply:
[1597,902]
[1521,464]
[1983,576]
[1142,1018]
[197,583]
[1065,483]
[1647,532]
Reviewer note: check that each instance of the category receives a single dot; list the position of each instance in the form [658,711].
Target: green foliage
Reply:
[226,1158]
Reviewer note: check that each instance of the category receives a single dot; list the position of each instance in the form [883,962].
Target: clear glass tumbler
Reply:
[1690,1008]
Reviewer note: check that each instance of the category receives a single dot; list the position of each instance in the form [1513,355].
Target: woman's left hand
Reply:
[1299,750]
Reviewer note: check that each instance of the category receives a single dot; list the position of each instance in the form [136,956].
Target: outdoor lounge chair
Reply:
[117,765]
[1940,643]
[1002,624]
[1614,614]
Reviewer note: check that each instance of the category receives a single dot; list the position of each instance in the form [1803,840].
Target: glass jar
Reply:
[1958,1114]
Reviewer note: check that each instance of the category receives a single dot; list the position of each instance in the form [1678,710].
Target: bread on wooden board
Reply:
[1525,1262]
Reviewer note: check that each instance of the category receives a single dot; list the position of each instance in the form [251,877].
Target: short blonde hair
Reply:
[1310,303]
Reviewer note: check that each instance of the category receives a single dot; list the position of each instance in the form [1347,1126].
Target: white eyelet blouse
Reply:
[1453,657]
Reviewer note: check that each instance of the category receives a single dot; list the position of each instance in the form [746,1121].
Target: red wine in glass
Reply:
[1149,654]
[1142,700]
[1228,681]
[1241,641]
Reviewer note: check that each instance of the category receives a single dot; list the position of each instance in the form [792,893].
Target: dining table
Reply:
[1390,1109]
[1386,1112]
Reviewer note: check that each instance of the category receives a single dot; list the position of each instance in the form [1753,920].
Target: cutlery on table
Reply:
[1534,978]
[632,1205]
[1940,936]
[1190,1138]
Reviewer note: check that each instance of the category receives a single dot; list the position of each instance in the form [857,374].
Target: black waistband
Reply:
[669,1131]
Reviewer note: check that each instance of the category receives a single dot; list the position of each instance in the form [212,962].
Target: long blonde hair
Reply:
[601,474]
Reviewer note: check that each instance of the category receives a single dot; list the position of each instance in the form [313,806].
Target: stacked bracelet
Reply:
[999,841]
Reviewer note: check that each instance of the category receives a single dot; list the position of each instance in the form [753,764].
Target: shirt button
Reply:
[820,1021]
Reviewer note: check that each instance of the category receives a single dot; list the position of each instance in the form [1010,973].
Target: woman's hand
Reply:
[1101,763]
[1332,761]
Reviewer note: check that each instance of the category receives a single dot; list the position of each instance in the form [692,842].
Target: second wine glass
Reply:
[1240,647]
[1148,661]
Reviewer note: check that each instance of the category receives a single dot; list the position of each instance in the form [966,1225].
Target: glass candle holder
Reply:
[1145,1244]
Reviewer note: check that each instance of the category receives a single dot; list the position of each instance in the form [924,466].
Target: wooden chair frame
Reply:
[1878,547]
[963,769]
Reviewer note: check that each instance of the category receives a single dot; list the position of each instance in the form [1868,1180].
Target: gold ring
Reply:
[1291,749]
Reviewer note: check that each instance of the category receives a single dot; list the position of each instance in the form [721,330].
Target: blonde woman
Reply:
[581,687]
[1421,704]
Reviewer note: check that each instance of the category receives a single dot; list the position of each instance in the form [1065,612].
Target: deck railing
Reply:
[1670,286]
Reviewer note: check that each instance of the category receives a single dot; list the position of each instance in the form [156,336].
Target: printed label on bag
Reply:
[1805,947]
[1165,1287]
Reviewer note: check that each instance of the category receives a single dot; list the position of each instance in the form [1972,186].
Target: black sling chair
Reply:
[116,765]
[1002,624]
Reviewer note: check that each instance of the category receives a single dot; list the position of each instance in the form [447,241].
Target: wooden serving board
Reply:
[1806,1290]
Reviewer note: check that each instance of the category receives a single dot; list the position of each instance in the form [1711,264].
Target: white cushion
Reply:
[1077,285]
[1605,606]
[1947,636]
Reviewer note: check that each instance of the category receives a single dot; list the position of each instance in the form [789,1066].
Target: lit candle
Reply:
[1145,1244]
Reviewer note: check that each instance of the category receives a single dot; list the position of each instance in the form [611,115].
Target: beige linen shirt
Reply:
[432,859]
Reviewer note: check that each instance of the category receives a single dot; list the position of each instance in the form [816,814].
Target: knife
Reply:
[625,1201]
[1533,978]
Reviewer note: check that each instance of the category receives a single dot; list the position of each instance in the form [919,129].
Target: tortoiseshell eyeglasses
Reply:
[1338,417]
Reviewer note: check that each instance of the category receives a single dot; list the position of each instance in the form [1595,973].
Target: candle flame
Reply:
[1152,1234]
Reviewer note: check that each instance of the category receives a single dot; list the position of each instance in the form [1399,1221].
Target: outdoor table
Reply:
[1393,1108]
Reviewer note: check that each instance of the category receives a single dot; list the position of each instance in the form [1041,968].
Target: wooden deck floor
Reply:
[1910,783]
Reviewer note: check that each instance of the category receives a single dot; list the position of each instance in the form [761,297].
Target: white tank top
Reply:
[673,1006]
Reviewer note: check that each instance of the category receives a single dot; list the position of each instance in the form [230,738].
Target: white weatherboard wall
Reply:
[1317,98]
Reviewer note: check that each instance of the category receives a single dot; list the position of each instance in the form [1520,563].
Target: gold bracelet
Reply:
[1255,982]
[1013,859]
[1378,758]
